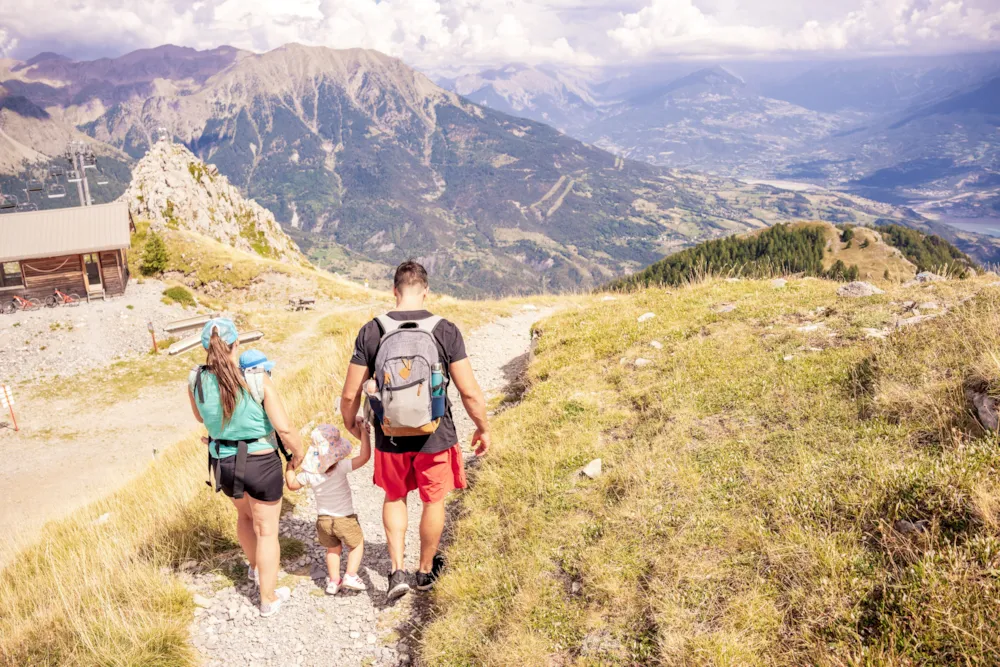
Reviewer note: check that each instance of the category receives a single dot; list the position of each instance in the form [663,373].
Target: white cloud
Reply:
[451,33]
[681,27]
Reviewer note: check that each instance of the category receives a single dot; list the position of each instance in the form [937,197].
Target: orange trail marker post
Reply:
[7,401]
[152,332]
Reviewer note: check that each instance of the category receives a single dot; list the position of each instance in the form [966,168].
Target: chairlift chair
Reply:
[8,201]
[29,206]
[35,185]
[57,191]
[102,178]
[89,161]
[73,176]
[55,171]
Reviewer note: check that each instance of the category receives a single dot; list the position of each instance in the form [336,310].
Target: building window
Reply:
[10,274]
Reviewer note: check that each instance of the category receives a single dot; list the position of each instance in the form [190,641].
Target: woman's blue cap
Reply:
[225,327]
[255,359]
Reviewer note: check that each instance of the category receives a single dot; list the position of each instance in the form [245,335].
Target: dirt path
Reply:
[100,440]
[349,629]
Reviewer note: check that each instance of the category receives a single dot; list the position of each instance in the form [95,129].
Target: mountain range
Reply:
[359,156]
[918,131]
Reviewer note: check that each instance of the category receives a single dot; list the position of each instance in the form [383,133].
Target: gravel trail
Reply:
[349,628]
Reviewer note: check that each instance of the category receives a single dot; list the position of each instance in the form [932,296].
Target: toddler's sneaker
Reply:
[332,586]
[283,593]
[353,582]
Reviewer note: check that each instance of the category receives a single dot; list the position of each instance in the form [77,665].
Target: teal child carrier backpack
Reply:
[254,378]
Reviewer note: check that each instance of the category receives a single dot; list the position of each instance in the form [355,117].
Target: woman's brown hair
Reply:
[231,383]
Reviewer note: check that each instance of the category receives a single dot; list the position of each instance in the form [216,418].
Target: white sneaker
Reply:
[353,582]
[253,576]
[332,586]
[271,609]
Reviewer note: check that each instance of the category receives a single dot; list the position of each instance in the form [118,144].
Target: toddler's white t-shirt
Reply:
[333,492]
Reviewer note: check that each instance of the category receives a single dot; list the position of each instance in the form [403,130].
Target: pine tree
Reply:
[154,256]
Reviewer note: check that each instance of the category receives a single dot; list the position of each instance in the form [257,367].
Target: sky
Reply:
[437,34]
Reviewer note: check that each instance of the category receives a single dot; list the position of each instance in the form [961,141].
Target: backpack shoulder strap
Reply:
[428,324]
[255,384]
[387,324]
[194,383]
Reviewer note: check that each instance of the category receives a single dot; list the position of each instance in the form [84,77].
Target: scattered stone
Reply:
[927,277]
[811,327]
[909,305]
[930,305]
[788,357]
[104,518]
[608,298]
[529,306]
[875,333]
[592,469]
[188,565]
[858,289]
[576,587]
[371,639]
[910,321]
[986,408]
[355,635]
[778,283]
[656,345]
[646,317]
[202,601]
[904,527]
[726,308]
[640,362]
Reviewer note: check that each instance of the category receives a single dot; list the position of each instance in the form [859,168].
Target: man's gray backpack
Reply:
[406,353]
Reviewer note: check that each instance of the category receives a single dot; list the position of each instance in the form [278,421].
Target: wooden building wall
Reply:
[42,276]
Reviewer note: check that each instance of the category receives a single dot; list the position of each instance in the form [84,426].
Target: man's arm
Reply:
[474,402]
[350,398]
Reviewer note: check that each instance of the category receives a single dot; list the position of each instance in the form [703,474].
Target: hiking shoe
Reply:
[332,586]
[353,582]
[271,609]
[397,585]
[425,580]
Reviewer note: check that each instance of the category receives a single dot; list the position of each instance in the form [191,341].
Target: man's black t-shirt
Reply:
[451,348]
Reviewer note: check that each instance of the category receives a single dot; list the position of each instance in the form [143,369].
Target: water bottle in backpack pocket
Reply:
[438,391]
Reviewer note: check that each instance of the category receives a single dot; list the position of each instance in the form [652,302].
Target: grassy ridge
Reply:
[753,475]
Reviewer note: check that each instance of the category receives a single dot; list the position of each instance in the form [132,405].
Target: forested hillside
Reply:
[928,251]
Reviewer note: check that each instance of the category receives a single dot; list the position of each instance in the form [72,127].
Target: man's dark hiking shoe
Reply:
[425,580]
[397,585]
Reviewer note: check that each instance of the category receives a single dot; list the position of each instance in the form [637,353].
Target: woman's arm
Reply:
[194,407]
[278,417]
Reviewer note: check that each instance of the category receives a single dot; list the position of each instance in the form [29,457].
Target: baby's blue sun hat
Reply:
[255,359]
[225,327]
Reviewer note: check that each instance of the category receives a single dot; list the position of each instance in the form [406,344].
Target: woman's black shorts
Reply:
[264,478]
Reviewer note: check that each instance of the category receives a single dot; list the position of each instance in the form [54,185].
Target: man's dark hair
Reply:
[408,274]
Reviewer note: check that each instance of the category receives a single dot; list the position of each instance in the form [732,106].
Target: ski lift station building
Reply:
[79,250]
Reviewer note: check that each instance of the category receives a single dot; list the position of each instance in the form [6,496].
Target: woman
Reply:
[243,452]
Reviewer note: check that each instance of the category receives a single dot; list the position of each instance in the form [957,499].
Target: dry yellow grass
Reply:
[753,473]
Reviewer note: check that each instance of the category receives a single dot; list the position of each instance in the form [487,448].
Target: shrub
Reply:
[179,294]
[154,256]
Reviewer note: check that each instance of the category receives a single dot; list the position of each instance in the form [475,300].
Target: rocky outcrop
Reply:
[858,289]
[173,189]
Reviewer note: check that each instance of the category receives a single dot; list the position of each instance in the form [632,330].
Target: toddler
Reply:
[325,469]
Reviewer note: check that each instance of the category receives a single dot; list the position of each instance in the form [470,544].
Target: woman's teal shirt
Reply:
[249,421]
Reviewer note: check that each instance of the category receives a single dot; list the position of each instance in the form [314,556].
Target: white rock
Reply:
[875,333]
[640,362]
[646,317]
[930,305]
[104,518]
[592,469]
[788,357]
[778,283]
[529,306]
[202,601]
[927,277]
[609,298]
[810,327]
[371,639]
[858,289]
[355,635]
[656,345]
[726,308]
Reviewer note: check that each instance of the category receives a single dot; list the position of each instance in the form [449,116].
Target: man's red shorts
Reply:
[433,474]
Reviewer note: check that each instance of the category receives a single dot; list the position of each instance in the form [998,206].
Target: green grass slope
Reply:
[754,469]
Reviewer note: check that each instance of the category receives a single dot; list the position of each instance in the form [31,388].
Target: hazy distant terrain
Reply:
[914,130]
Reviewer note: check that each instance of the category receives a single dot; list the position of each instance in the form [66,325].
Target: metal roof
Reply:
[64,231]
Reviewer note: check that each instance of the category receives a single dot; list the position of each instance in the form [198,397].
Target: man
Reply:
[431,464]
